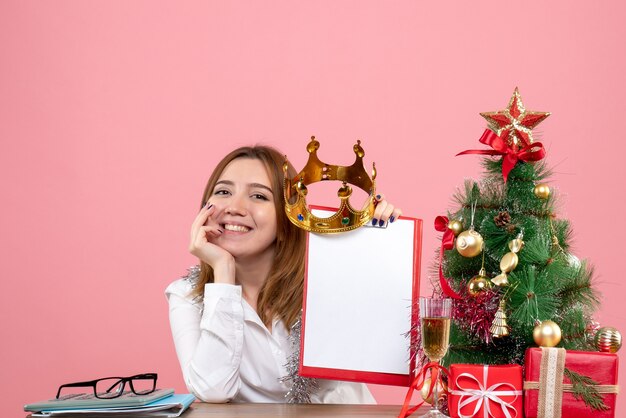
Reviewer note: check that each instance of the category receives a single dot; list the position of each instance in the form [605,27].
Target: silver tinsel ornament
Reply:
[193,278]
[301,387]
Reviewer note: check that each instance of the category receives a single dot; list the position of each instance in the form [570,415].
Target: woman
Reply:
[230,319]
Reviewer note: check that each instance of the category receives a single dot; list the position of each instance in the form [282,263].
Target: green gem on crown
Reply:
[345,220]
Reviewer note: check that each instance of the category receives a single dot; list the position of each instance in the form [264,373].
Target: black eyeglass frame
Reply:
[120,383]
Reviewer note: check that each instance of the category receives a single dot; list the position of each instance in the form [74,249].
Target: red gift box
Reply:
[555,394]
[478,390]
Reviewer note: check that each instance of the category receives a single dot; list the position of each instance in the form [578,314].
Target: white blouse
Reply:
[227,354]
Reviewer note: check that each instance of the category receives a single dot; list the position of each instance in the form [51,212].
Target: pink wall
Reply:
[113,113]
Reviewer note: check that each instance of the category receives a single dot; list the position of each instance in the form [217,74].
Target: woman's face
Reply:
[244,209]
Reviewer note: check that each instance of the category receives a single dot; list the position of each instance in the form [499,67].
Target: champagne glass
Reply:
[435,318]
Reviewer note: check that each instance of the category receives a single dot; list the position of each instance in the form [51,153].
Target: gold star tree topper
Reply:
[515,124]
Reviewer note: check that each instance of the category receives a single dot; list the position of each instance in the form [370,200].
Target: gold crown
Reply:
[346,218]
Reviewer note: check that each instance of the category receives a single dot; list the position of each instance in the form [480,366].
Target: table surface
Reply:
[205,410]
[273,410]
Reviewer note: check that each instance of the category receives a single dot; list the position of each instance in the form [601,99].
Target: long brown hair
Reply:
[281,293]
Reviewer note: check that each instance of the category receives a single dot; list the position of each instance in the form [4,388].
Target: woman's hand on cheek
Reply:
[204,230]
[385,212]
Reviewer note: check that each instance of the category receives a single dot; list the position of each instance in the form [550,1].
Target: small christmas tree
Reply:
[505,254]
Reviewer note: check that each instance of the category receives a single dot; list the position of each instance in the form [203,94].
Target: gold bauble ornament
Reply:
[608,340]
[469,243]
[542,191]
[441,391]
[547,334]
[478,284]
[456,227]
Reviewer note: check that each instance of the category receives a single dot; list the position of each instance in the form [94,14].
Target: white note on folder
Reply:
[359,290]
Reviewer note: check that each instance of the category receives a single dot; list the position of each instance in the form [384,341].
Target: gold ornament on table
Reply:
[346,218]
[542,191]
[608,340]
[470,243]
[442,389]
[499,327]
[547,334]
[509,261]
[455,226]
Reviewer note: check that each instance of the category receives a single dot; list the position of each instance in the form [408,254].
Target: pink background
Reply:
[113,113]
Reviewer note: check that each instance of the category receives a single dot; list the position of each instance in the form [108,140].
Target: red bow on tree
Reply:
[447,243]
[512,154]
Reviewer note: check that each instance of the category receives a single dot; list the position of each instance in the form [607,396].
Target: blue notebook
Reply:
[170,406]
[88,400]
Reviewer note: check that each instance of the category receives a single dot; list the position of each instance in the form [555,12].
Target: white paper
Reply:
[358,298]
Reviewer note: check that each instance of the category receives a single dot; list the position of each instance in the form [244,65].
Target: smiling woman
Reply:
[269,259]
[230,317]
[240,216]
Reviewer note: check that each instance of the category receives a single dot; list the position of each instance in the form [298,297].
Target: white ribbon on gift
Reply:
[485,394]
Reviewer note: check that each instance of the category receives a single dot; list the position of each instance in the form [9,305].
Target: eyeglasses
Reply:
[113,387]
